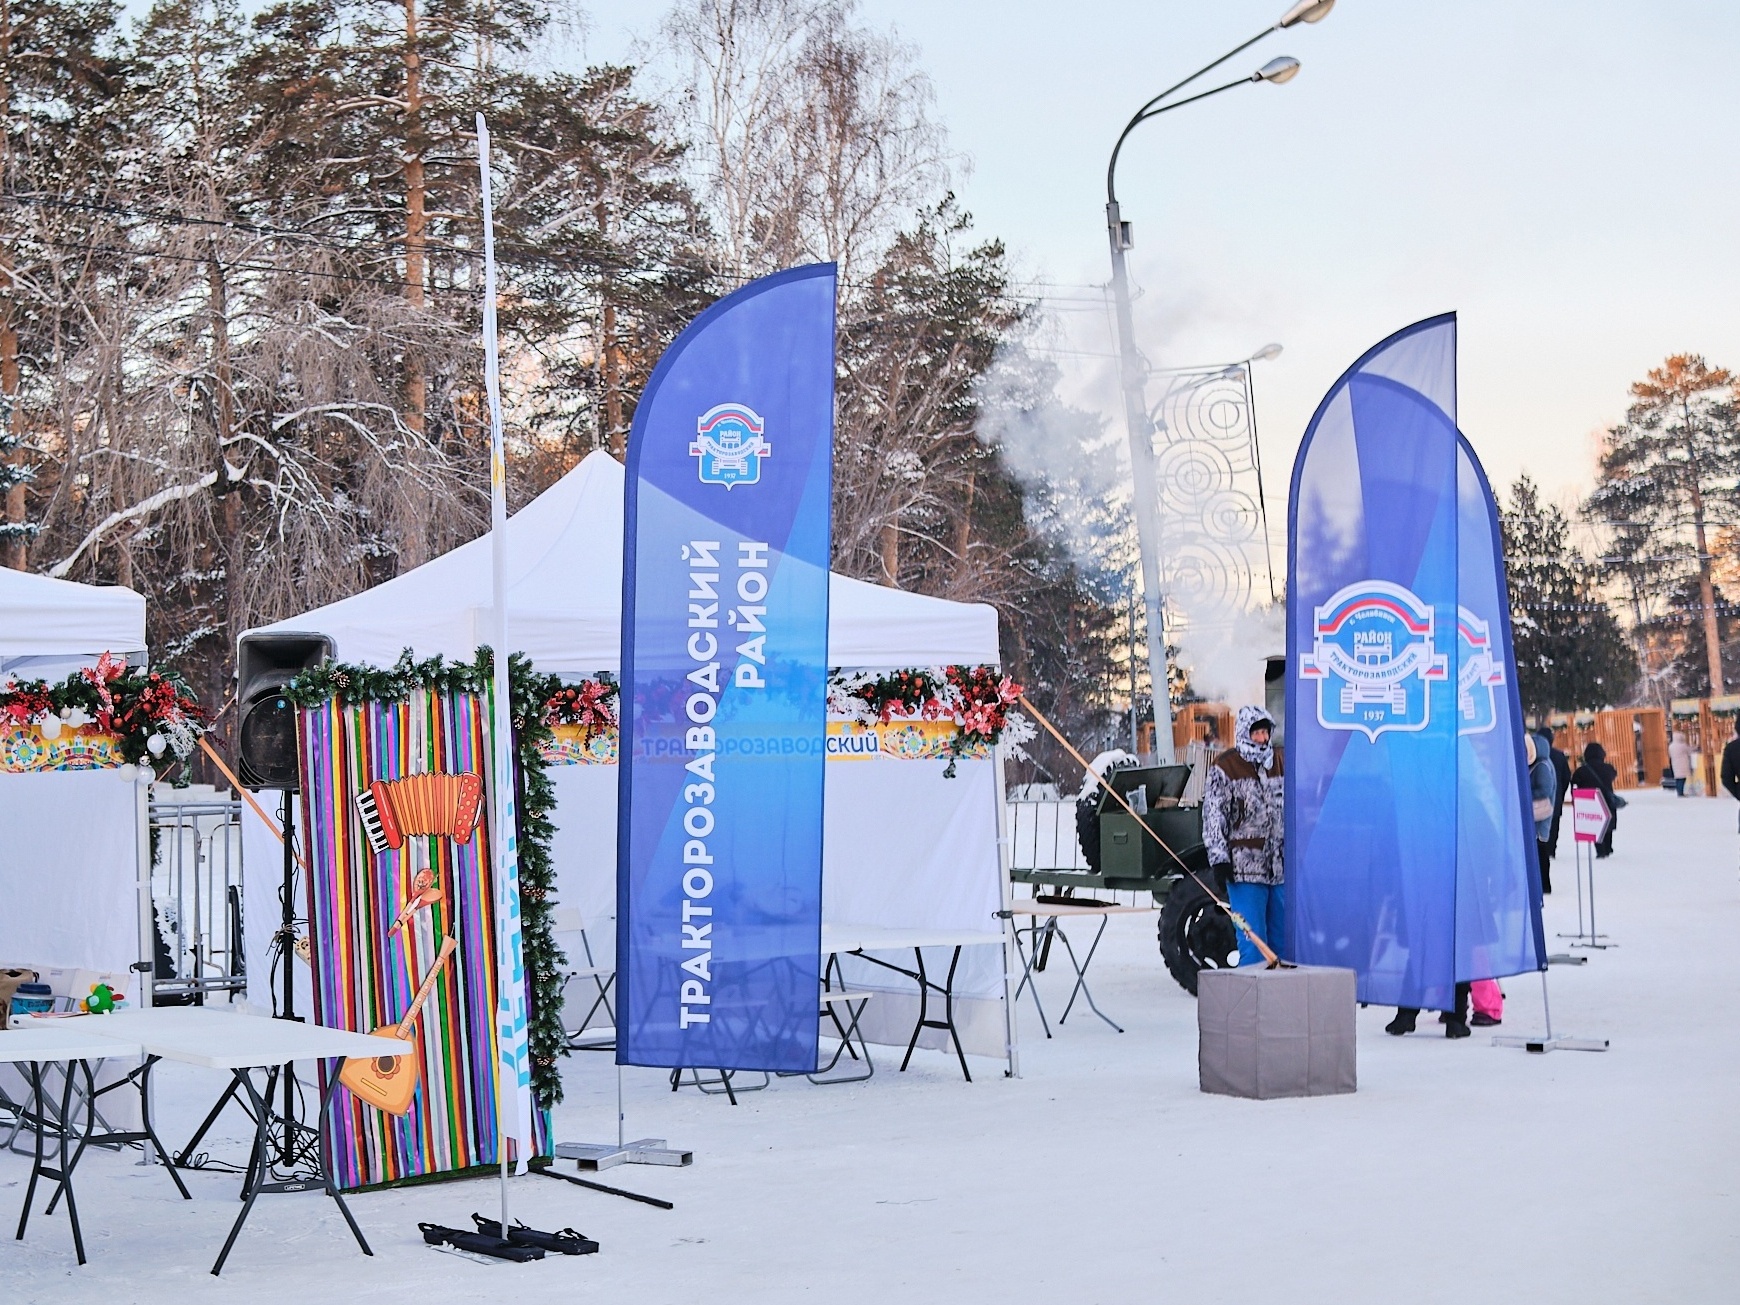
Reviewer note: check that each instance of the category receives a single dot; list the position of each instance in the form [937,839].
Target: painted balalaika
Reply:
[393,810]
[389,1083]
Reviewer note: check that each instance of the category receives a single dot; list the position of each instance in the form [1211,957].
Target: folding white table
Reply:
[214,1039]
[74,1044]
[1053,914]
[859,939]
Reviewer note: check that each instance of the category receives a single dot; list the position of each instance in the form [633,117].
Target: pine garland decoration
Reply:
[528,690]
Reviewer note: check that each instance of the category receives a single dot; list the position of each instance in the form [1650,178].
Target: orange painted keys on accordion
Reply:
[393,810]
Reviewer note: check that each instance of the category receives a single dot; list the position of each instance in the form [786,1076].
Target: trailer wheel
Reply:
[1195,934]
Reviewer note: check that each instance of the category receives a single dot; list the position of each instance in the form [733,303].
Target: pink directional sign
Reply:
[1589,814]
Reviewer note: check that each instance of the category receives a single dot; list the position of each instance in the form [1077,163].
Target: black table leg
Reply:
[140,1077]
[326,1157]
[259,1166]
[256,1166]
[63,1175]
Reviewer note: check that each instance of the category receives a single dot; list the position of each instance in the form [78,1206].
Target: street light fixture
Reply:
[1279,71]
[1132,372]
[1306,11]
[1268,353]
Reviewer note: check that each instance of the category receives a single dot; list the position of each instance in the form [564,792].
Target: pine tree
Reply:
[1667,481]
[1570,651]
[57,75]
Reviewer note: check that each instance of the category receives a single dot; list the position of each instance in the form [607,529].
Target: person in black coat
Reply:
[1562,768]
[1597,772]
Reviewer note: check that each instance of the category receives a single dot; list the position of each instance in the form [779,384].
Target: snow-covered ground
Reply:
[1459,1171]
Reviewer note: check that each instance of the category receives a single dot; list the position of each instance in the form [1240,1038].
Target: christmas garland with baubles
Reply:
[976,699]
[152,715]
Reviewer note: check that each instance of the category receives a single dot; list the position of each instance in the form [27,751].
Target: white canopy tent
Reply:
[70,869]
[50,627]
[565,598]
[933,865]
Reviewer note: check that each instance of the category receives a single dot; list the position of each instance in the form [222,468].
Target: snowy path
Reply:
[1459,1172]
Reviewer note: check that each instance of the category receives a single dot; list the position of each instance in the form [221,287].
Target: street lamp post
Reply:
[1131,372]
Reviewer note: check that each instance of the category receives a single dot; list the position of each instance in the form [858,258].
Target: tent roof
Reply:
[42,617]
[565,597]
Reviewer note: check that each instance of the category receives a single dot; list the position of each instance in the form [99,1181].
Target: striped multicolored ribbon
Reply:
[365,979]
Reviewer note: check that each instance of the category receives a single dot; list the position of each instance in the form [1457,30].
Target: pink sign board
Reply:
[1589,814]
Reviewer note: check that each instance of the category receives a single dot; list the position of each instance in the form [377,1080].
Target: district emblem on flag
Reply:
[729,444]
[1373,658]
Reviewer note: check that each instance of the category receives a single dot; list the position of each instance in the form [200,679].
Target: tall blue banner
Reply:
[724,680]
[1498,871]
[1408,856]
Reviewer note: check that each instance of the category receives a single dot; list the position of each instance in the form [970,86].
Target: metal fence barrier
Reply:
[196,888]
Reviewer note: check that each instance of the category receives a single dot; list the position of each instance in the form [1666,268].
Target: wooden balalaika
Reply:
[390,1082]
[393,810]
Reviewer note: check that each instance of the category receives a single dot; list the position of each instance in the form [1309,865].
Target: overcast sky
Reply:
[1564,176]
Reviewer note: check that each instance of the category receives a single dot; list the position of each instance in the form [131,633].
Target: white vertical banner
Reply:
[514,1065]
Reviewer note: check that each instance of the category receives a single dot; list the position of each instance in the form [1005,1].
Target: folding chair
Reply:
[581,1036]
[853,1003]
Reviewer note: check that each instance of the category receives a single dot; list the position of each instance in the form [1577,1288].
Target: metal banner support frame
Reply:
[595,1156]
[1549,1041]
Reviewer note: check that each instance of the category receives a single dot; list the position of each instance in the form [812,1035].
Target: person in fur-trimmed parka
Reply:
[1242,829]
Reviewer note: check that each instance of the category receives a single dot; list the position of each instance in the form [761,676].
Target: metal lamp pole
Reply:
[1132,374]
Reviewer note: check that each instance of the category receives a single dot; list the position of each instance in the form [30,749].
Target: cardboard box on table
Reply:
[1276,1033]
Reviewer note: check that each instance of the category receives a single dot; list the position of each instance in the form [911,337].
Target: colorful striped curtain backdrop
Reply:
[365,976]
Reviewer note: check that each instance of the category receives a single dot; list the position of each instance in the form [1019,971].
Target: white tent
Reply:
[565,598]
[905,848]
[59,822]
[49,627]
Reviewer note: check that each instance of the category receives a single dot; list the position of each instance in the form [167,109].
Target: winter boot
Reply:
[1455,1028]
[1403,1022]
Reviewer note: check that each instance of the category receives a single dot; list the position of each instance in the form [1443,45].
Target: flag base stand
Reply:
[1549,1041]
[595,1156]
[1558,1042]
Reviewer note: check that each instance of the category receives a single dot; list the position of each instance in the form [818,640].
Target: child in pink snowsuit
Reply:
[1488,1001]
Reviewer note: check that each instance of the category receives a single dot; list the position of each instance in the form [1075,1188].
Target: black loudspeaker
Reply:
[265,720]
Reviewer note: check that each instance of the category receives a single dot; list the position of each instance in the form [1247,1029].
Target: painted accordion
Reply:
[393,810]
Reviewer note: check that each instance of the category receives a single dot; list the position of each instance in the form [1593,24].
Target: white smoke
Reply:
[1225,652]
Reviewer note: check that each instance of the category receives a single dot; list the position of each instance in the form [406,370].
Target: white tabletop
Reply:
[60,1040]
[217,1039]
[837,937]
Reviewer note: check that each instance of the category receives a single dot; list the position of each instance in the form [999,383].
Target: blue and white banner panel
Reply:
[1498,873]
[724,684]
[1372,720]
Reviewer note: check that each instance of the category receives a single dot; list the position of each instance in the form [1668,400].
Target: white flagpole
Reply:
[510,999]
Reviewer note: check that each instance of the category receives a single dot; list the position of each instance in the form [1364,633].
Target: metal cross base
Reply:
[1548,1041]
[594,1156]
[1555,1042]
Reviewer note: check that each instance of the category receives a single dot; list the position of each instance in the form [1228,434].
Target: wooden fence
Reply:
[1634,738]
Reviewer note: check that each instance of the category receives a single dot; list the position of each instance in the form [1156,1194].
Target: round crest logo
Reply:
[1478,675]
[730,445]
[1374,659]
